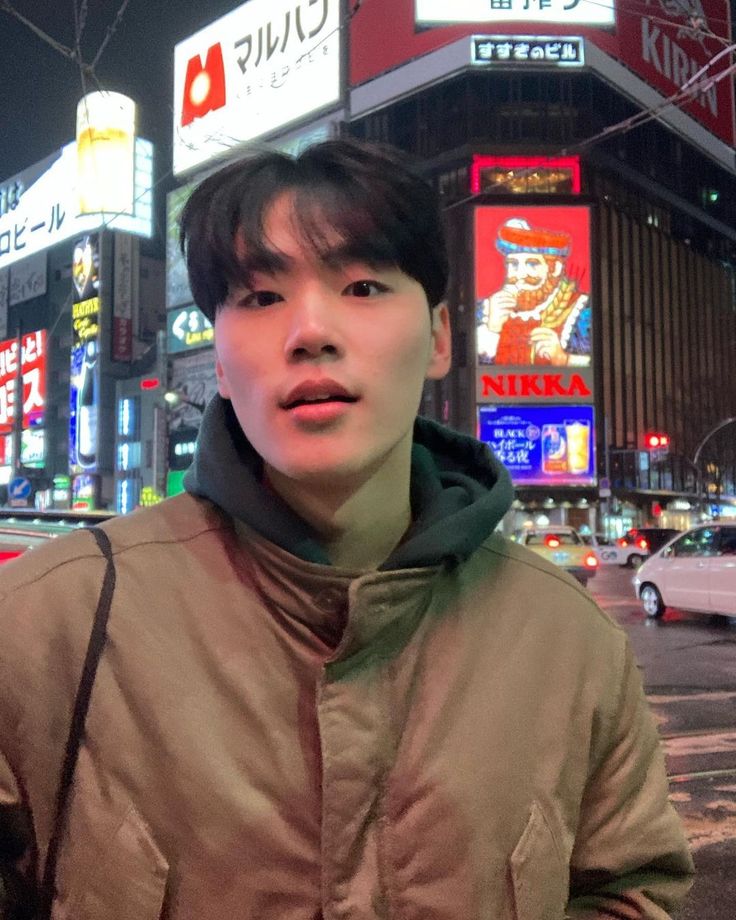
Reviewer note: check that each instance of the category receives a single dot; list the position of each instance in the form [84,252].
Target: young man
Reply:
[330,689]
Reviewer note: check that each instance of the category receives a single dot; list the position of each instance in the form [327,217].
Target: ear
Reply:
[222,385]
[557,270]
[440,356]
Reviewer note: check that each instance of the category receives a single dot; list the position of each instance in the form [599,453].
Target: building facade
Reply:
[80,300]
[626,322]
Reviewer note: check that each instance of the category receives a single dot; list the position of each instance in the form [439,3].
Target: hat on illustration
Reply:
[517,235]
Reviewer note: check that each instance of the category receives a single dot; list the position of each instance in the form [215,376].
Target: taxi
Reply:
[563,546]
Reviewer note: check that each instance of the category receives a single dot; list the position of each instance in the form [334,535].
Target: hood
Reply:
[459,492]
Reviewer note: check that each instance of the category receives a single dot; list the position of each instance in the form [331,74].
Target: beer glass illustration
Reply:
[554,449]
[105,153]
[577,433]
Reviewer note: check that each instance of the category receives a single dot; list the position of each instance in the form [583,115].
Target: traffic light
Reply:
[656,440]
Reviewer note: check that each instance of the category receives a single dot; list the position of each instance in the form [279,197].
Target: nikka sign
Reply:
[505,385]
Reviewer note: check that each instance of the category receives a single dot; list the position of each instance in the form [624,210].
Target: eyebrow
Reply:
[271,261]
[366,252]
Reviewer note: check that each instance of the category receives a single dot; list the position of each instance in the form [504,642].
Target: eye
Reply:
[260,299]
[365,288]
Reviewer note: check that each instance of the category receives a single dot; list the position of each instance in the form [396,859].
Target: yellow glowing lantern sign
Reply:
[105,153]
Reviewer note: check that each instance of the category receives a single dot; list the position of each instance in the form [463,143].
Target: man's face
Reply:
[324,362]
[527,271]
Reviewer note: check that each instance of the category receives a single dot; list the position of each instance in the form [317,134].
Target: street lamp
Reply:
[701,445]
[176,398]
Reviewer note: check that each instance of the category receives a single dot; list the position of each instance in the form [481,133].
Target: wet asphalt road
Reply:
[688,663]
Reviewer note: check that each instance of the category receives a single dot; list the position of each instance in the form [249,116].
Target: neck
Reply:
[360,523]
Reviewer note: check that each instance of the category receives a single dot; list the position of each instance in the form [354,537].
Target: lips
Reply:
[315,392]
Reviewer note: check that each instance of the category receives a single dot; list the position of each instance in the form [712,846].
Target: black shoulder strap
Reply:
[76,731]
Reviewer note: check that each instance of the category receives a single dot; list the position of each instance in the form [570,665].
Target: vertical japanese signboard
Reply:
[33,375]
[125,278]
[85,374]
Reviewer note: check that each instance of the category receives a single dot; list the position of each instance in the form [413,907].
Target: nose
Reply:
[312,331]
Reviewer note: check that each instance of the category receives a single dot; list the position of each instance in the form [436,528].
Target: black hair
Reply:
[382,210]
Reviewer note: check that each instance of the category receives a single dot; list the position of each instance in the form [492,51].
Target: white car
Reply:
[621,552]
[696,571]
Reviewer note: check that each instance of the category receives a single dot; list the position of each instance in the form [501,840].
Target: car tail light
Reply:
[7,555]
[621,541]
[642,543]
[591,560]
[552,541]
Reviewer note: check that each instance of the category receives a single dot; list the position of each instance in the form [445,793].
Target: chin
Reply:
[318,469]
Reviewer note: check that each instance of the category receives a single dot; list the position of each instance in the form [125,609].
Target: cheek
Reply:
[409,358]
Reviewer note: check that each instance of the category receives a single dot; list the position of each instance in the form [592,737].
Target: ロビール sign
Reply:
[44,207]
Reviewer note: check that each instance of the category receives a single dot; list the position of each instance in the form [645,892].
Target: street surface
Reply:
[688,663]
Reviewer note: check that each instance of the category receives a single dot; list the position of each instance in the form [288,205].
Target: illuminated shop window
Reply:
[128,417]
[525,175]
[128,491]
[33,447]
[129,455]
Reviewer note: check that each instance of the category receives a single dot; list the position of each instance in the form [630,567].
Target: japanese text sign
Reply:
[591,12]
[542,445]
[264,64]
[33,374]
[549,50]
[44,208]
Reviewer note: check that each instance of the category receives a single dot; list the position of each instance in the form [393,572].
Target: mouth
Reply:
[316,393]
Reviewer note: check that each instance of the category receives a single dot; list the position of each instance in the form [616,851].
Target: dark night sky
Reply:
[39,88]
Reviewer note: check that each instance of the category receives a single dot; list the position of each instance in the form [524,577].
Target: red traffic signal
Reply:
[655,440]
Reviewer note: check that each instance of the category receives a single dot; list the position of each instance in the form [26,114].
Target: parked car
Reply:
[650,538]
[696,571]
[22,530]
[564,546]
[618,552]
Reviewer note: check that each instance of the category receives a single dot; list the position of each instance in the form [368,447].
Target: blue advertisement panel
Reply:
[542,445]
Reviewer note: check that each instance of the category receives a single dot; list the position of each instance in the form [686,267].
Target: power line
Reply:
[110,32]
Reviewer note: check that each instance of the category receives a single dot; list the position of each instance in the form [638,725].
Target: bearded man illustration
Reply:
[539,316]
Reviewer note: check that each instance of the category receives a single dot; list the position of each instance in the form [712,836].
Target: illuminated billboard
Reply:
[542,445]
[525,175]
[177,280]
[589,12]
[33,375]
[522,50]
[259,67]
[84,383]
[661,44]
[533,309]
[106,153]
[187,328]
[42,204]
